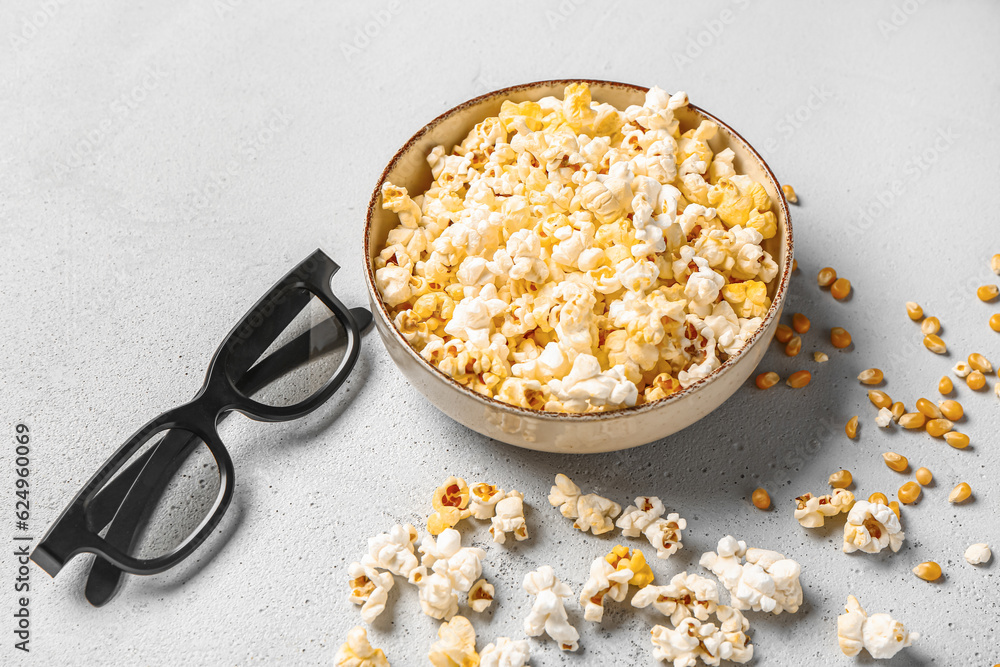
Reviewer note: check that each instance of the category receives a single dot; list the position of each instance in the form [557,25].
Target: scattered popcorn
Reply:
[603,237]
[483,500]
[505,652]
[884,417]
[872,527]
[734,626]
[637,518]
[446,569]
[481,596]
[605,581]
[820,357]
[509,518]
[686,595]
[623,558]
[665,535]
[393,551]
[456,646]
[596,514]
[962,369]
[978,554]
[811,511]
[358,652]
[767,581]
[548,613]
[369,588]
[565,495]
[693,640]
[882,636]
[438,598]
[450,501]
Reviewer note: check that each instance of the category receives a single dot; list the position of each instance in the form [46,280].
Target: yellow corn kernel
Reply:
[894,506]
[938,427]
[784,333]
[878,498]
[800,323]
[931,325]
[934,343]
[761,499]
[826,276]
[914,311]
[908,493]
[898,410]
[871,376]
[975,380]
[841,479]
[980,363]
[851,429]
[795,265]
[923,476]
[912,420]
[995,264]
[945,386]
[995,321]
[841,287]
[767,380]
[793,347]
[960,493]
[798,379]
[895,461]
[879,398]
[956,439]
[929,571]
[789,193]
[928,409]
[951,409]
[988,292]
[840,337]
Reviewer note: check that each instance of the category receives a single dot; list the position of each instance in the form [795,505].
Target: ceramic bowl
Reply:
[559,432]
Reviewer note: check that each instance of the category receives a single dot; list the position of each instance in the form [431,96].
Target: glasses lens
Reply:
[310,345]
[165,490]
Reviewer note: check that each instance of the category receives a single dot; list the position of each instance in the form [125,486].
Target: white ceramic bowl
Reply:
[559,432]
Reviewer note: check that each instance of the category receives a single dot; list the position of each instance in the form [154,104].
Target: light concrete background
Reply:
[163,163]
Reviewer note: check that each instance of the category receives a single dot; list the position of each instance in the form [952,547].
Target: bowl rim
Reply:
[618,413]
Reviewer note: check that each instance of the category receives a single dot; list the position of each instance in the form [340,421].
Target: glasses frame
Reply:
[228,383]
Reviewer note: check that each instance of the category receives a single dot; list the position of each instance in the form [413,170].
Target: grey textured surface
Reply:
[161,164]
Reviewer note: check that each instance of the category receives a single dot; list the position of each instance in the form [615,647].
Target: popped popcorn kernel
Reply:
[505,652]
[686,595]
[872,527]
[603,236]
[456,645]
[880,634]
[606,581]
[358,652]
[978,554]
[369,588]
[483,499]
[622,558]
[565,495]
[811,511]
[509,518]
[767,581]
[481,596]
[665,535]
[450,503]
[636,518]
[548,612]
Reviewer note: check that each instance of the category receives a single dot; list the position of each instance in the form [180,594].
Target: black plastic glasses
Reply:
[164,491]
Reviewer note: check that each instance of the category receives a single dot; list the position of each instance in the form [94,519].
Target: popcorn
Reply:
[483,500]
[596,514]
[977,554]
[692,641]
[438,598]
[446,556]
[548,612]
[686,595]
[565,495]
[734,626]
[880,634]
[505,652]
[595,233]
[767,581]
[622,558]
[358,652]
[393,551]
[481,596]
[456,646]
[450,502]
[872,527]
[369,588]
[509,518]
[605,581]
[811,511]
[884,417]
[636,518]
[665,534]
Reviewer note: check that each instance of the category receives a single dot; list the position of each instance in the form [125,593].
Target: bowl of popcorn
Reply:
[577,266]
